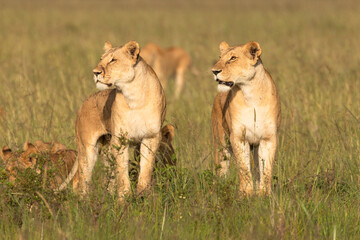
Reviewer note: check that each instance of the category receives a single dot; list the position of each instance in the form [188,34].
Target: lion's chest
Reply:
[137,124]
[253,122]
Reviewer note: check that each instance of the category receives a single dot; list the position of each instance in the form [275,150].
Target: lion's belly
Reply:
[255,123]
[137,124]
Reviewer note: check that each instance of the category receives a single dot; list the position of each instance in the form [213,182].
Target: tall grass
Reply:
[311,50]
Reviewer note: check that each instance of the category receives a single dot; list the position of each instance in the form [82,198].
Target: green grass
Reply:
[311,50]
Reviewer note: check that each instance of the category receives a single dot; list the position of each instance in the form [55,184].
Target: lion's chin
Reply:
[223,88]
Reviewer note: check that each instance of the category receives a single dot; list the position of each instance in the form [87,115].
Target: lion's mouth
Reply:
[107,84]
[229,84]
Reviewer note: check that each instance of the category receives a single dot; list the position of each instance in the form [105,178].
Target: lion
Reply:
[166,151]
[49,146]
[165,154]
[246,113]
[56,156]
[167,62]
[15,161]
[134,110]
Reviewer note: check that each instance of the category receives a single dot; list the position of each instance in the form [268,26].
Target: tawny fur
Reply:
[165,154]
[167,62]
[48,146]
[246,114]
[57,156]
[134,110]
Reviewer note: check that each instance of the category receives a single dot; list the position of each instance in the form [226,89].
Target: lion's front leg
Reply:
[121,154]
[222,153]
[267,150]
[241,149]
[148,150]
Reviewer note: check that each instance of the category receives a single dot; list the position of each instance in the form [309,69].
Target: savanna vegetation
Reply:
[311,49]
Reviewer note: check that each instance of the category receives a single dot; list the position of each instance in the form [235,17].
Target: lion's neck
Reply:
[136,92]
[254,90]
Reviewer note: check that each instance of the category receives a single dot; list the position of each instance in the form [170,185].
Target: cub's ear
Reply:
[253,51]
[223,46]
[5,152]
[167,133]
[38,144]
[133,49]
[107,46]
[29,147]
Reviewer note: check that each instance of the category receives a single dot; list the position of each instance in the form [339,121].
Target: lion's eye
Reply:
[113,60]
[233,58]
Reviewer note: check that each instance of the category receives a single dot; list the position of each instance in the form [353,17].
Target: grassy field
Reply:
[312,51]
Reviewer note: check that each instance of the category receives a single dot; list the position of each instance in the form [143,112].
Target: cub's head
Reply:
[116,66]
[166,151]
[18,161]
[236,64]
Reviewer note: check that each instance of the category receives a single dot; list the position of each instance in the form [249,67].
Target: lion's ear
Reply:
[107,46]
[168,133]
[223,46]
[253,51]
[133,49]
[5,152]
[29,147]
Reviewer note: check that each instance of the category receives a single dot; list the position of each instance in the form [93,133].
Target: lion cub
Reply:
[57,156]
[247,113]
[15,161]
[166,152]
[48,146]
[134,110]
[167,62]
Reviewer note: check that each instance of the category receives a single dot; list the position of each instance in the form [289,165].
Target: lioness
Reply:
[167,62]
[166,151]
[60,160]
[247,112]
[134,110]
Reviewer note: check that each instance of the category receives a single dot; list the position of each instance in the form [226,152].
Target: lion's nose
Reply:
[216,72]
[97,72]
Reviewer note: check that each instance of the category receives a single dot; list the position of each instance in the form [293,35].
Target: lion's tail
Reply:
[69,177]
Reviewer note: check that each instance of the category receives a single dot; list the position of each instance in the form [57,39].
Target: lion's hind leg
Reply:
[179,78]
[87,156]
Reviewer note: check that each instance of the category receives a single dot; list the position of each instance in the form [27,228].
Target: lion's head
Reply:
[18,161]
[236,64]
[116,65]
[166,151]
